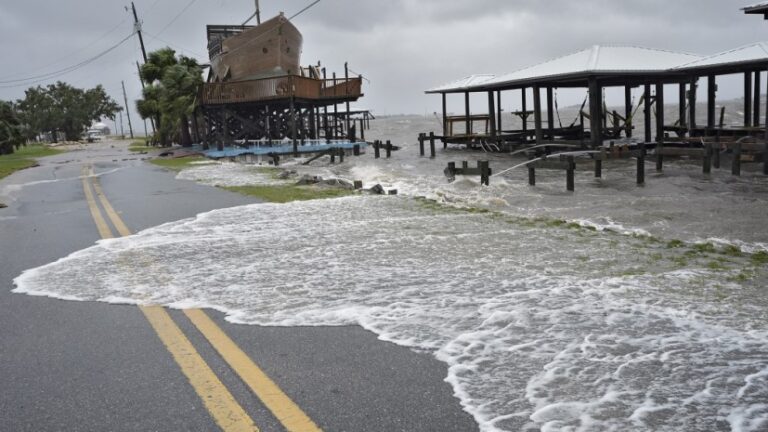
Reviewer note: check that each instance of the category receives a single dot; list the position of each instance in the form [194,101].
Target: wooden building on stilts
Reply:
[258,92]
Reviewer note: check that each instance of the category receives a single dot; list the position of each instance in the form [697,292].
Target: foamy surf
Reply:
[543,326]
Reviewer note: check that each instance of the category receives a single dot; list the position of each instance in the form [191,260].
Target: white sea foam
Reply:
[542,328]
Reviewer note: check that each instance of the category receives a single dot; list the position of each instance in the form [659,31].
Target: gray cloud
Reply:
[402,46]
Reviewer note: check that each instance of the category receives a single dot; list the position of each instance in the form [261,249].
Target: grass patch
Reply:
[288,193]
[759,258]
[177,164]
[24,158]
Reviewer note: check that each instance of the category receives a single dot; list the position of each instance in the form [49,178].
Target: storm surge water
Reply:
[615,308]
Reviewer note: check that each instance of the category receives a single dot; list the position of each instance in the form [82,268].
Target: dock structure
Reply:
[597,69]
[757,9]
[257,93]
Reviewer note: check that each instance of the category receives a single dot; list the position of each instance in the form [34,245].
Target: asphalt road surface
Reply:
[88,366]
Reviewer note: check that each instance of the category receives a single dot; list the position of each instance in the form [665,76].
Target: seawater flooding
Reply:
[614,308]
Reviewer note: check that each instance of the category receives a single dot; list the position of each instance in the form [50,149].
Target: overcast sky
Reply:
[402,46]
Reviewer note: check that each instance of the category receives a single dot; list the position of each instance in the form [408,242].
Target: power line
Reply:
[45,77]
[181,12]
[179,47]
[73,53]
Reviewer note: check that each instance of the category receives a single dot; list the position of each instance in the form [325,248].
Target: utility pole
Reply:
[137,27]
[122,132]
[258,13]
[151,120]
[127,113]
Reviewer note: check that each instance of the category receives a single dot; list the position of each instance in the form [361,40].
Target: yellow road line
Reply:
[101,224]
[111,213]
[289,414]
[227,413]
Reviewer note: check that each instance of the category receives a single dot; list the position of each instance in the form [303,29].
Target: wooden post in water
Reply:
[641,163]
[736,166]
[421,143]
[376,145]
[341,155]
[598,168]
[485,172]
[647,112]
[707,164]
[569,174]
[659,125]
[537,114]
[389,149]
[356,150]
[747,99]
[717,149]
[595,112]
[431,144]
[293,127]
[531,172]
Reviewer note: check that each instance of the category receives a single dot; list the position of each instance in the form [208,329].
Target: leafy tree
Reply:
[61,107]
[11,137]
[169,96]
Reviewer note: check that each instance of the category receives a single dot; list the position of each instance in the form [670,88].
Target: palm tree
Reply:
[169,96]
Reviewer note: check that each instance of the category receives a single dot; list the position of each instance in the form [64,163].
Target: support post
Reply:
[569,174]
[492,114]
[376,152]
[293,127]
[431,144]
[756,100]
[524,108]
[346,88]
[595,112]
[485,172]
[362,130]
[550,113]
[641,163]
[711,90]
[468,122]
[445,116]
[389,149]
[736,166]
[747,99]
[707,163]
[598,168]
[659,125]
[537,114]
[681,109]
[647,113]
[716,153]
[531,173]
[628,120]
[692,104]
[421,143]
[498,112]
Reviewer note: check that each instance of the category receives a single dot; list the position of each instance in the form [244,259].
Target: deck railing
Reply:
[281,87]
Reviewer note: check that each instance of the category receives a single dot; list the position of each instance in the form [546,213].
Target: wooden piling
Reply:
[341,155]
[389,149]
[537,114]
[356,150]
[716,153]
[595,112]
[628,120]
[711,90]
[421,144]
[756,101]
[531,172]
[747,99]
[692,103]
[707,164]
[550,113]
[485,173]
[468,122]
[736,165]
[569,174]
[598,168]
[659,125]
[362,129]
[431,144]
[641,163]
[376,153]
[647,112]
[333,156]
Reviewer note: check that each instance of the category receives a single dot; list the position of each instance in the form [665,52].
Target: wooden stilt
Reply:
[707,163]
[432,144]
[641,164]
[595,112]
[537,114]
[736,165]
[421,144]
[747,99]
[659,125]
[628,120]
[468,123]
[711,90]
[756,101]
[647,113]
[569,174]
[550,114]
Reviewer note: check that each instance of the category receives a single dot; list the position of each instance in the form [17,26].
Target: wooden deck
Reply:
[281,88]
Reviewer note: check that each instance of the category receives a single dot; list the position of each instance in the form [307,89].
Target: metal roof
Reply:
[463,83]
[752,53]
[756,8]
[619,60]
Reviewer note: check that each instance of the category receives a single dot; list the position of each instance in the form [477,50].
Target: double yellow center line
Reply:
[218,400]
